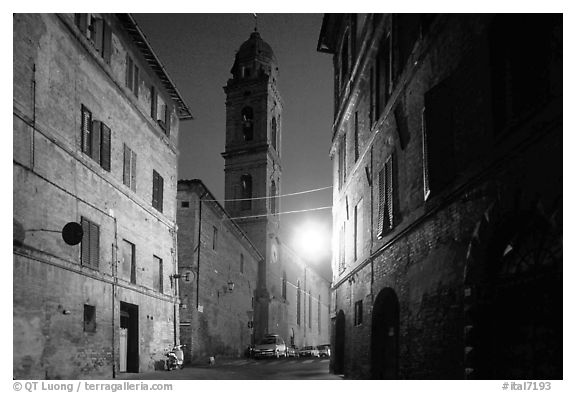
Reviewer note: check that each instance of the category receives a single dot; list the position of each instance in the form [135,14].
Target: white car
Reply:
[272,345]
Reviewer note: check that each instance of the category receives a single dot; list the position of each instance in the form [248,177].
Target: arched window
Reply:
[274,133]
[248,123]
[246,186]
[273,192]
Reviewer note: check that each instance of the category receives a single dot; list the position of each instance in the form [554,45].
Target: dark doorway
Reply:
[129,358]
[385,322]
[339,347]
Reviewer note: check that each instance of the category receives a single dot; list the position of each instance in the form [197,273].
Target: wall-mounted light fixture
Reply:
[62,310]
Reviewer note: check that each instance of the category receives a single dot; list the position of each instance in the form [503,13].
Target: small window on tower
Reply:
[248,123]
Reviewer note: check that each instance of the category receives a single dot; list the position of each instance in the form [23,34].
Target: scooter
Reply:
[175,358]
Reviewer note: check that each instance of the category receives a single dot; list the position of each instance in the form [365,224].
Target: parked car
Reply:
[293,352]
[309,351]
[324,350]
[272,345]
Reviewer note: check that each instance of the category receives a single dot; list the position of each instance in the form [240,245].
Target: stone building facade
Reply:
[96,122]
[284,294]
[218,265]
[447,167]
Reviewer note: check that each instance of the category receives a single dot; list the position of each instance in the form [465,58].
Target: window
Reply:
[157,191]
[298,303]
[373,95]
[153,102]
[284,285]
[356,142]
[358,313]
[385,198]
[241,263]
[274,133]
[384,75]
[90,246]
[89,318]
[273,208]
[425,175]
[358,230]
[95,139]
[129,261]
[309,310]
[164,118]
[344,60]
[246,187]
[157,274]
[214,237]
[97,31]
[132,75]
[185,204]
[247,123]
[342,248]
[342,162]
[438,127]
[319,314]
[129,168]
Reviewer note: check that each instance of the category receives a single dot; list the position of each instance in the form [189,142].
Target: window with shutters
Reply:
[438,127]
[164,118]
[97,31]
[385,198]
[358,230]
[157,191]
[132,75]
[284,281]
[90,246]
[342,162]
[89,318]
[153,102]
[129,168]
[241,263]
[273,199]
[384,84]
[95,139]
[344,60]
[157,274]
[129,261]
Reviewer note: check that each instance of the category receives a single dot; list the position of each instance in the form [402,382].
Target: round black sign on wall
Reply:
[72,233]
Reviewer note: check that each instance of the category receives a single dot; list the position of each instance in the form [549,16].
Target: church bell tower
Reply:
[252,157]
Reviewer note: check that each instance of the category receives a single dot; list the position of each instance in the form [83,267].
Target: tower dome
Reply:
[254,53]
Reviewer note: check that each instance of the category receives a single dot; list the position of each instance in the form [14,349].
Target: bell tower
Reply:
[252,157]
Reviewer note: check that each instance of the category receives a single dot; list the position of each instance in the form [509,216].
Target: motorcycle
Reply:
[175,358]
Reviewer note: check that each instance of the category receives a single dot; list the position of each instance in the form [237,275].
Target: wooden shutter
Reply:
[155,189]
[94,245]
[133,172]
[167,120]
[160,192]
[105,141]
[81,21]
[85,245]
[107,43]
[381,201]
[96,133]
[136,81]
[86,131]
[98,37]
[153,102]
[126,166]
[389,192]
[129,67]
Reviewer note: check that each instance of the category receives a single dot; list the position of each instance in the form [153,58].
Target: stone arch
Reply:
[385,328]
[513,293]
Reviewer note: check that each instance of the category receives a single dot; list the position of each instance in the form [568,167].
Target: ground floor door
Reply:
[384,345]
[130,351]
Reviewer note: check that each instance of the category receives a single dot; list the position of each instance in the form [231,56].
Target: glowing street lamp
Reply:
[311,240]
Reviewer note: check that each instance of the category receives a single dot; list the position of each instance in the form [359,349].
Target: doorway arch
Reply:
[384,346]
[339,343]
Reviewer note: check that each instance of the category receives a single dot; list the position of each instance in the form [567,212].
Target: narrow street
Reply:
[294,369]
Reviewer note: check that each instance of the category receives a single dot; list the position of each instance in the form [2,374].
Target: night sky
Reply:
[198,51]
